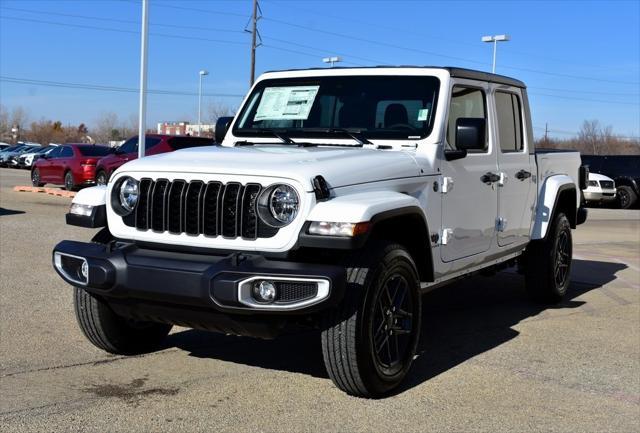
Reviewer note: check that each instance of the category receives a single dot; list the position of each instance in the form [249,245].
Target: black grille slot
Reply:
[249,216]
[159,204]
[211,200]
[175,206]
[212,209]
[192,207]
[230,210]
[142,207]
[295,291]
[606,183]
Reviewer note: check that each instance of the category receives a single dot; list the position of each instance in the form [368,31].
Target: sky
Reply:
[579,59]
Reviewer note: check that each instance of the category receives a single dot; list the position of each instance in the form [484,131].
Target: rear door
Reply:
[516,190]
[469,207]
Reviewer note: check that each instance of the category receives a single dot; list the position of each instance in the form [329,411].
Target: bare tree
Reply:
[104,127]
[5,126]
[589,134]
[217,109]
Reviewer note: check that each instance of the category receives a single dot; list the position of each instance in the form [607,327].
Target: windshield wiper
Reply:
[356,134]
[279,133]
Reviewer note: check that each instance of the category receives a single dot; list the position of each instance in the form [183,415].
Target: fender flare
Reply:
[548,197]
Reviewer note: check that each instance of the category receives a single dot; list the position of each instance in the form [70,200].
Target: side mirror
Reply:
[222,125]
[470,133]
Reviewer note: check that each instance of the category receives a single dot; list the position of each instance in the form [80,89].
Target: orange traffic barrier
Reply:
[50,191]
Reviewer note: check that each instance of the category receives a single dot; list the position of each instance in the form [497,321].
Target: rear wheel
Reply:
[548,263]
[69,184]
[112,333]
[369,341]
[35,178]
[101,178]
[626,196]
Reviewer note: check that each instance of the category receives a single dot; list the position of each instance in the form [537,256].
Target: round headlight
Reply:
[128,194]
[284,203]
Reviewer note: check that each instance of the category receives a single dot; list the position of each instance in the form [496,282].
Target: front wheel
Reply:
[35,178]
[112,333]
[370,340]
[548,262]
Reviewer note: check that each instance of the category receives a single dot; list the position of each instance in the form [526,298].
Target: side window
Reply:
[466,102]
[129,146]
[66,152]
[55,153]
[509,122]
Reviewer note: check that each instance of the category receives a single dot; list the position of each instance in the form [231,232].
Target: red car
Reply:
[71,165]
[154,144]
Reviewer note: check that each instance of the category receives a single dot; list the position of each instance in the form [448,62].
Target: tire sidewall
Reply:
[562,225]
[396,261]
[35,173]
[68,187]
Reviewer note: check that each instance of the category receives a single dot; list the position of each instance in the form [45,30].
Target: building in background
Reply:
[205,130]
[173,128]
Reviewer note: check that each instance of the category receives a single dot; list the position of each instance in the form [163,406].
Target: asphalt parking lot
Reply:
[489,360]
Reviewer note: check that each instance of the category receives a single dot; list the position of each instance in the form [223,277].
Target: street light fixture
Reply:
[495,39]
[332,60]
[201,74]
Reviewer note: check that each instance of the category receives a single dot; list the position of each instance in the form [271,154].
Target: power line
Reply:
[100,87]
[585,99]
[575,134]
[585,91]
[132,32]
[116,20]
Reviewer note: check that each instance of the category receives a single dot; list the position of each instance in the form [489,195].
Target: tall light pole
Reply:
[142,114]
[332,60]
[202,73]
[495,39]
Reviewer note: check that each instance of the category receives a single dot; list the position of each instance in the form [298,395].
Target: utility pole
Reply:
[254,39]
[546,132]
[144,43]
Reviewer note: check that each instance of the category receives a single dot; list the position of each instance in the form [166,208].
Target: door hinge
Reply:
[501,224]
[446,185]
[447,234]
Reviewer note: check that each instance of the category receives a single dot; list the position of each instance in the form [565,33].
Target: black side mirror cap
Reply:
[222,126]
[583,176]
[453,154]
[471,133]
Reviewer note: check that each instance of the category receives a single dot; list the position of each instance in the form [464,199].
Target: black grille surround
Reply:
[606,184]
[199,208]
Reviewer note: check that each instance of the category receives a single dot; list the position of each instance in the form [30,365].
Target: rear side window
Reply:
[94,150]
[509,122]
[466,102]
[66,152]
[177,143]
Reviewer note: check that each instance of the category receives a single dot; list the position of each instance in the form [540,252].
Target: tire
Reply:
[626,197]
[69,184]
[548,263]
[112,333]
[35,178]
[362,356]
[101,177]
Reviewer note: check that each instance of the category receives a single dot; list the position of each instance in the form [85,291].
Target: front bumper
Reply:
[124,273]
[600,196]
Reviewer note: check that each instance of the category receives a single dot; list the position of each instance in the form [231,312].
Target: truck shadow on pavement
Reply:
[460,321]
[4,212]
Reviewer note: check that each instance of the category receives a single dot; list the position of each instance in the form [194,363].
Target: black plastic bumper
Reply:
[132,275]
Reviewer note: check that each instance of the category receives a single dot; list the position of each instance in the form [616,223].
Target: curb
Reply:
[50,191]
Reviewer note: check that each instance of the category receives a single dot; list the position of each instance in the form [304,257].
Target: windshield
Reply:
[391,107]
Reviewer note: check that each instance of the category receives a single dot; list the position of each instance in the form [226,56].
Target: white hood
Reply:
[340,166]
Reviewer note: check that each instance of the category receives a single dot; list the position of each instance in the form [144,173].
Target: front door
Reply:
[469,208]
[516,193]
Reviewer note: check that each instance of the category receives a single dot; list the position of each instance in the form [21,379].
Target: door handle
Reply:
[523,174]
[490,178]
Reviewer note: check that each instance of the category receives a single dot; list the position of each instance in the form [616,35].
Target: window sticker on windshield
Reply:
[423,114]
[286,103]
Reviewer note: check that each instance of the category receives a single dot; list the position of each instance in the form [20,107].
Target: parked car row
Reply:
[9,155]
[77,165]
[624,170]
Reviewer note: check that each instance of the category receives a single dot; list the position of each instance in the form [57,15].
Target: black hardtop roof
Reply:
[471,74]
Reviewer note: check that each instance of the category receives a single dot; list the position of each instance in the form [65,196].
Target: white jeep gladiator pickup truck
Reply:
[338,197]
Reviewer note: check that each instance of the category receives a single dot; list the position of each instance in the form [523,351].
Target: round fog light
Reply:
[264,291]
[84,269]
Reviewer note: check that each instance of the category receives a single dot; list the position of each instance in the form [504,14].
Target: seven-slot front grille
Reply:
[606,184]
[212,209]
